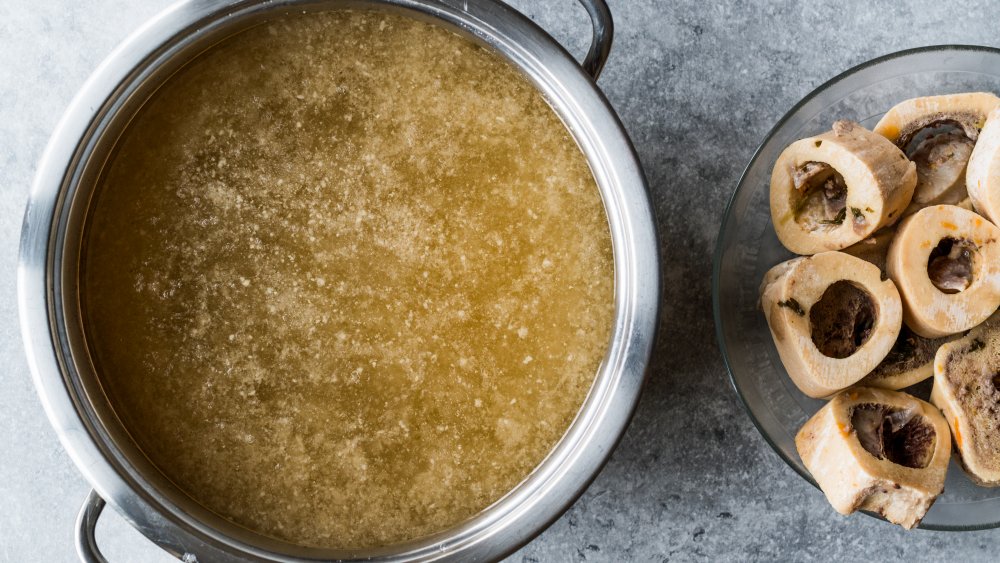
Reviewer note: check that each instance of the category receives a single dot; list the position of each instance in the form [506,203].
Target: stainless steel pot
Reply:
[48,291]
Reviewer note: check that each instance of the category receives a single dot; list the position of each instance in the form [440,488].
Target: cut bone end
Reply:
[833,319]
[982,178]
[832,190]
[946,263]
[906,119]
[877,450]
[967,390]
[939,134]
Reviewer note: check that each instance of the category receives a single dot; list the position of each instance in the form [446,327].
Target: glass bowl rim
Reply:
[727,216]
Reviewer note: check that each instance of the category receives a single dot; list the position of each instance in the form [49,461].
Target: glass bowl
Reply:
[748,247]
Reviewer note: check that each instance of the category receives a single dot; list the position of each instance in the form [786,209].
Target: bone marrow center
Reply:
[820,196]
[842,319]
[902,436]
[951,263]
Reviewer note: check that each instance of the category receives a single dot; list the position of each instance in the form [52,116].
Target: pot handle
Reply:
[600,43]
[86,540]
[86,524]
[604,32]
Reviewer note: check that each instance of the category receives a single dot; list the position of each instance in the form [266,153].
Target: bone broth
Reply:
[347,279]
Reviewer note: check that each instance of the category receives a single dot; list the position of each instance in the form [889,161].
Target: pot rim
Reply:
[505,525]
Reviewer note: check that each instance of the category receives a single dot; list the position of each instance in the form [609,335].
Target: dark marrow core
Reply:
[902,436]
[821,195]
[842,320]
[951,264]
[996,382]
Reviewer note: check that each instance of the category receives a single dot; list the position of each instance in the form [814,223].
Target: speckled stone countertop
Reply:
[697,84]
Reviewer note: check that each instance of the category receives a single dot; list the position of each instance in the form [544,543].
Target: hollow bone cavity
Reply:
[901,436]
[842,320]
[950,265]
[941,160]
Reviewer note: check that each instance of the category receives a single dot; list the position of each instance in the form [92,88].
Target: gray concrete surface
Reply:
[697,84]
